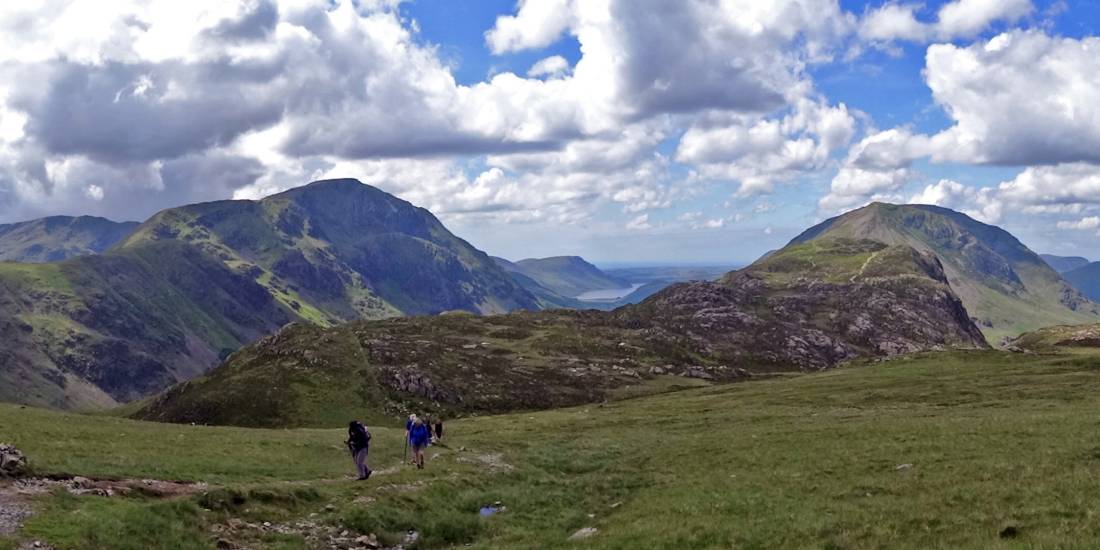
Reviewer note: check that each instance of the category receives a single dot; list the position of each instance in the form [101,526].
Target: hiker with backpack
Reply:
[359,444]
[419,435]
[438,429]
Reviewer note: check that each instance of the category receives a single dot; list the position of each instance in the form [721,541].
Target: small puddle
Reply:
[487,511]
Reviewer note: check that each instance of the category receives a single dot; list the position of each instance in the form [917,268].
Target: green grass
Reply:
[994,440]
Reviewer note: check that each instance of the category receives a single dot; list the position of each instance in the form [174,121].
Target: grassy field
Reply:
[969,449]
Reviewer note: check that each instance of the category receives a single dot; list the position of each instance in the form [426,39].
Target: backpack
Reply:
[359,436]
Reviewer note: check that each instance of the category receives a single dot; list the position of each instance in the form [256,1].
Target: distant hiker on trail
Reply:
[418,437]
[408,434]
[439,429]
[359,445]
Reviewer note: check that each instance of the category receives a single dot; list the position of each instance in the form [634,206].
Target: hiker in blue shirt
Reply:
[419,435]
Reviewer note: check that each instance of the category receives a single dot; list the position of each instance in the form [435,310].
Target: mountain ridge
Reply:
[1005,286]
[778,316]
[56,238]
[194,283]
[1062,264]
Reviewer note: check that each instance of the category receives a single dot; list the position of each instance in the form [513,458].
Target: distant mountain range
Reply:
[1086,279]
[193,284]
[569,276]
[58,238]
[1079,272]
[1062,264]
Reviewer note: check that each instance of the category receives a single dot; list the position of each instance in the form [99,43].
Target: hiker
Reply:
[418,437]
[408,434]
[359,444]
[439,430]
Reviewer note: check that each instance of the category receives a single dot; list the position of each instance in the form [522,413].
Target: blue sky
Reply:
[645,131]
[888,86]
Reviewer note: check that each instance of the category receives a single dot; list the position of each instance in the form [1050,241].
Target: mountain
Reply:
[1062,264]
[1007,288]
[97,330]
[791,312]
[547,299]
[338,250]
[568,276]
[1086,279]
[194,283]
[58,238]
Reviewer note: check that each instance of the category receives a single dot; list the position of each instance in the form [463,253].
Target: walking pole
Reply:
[405,456]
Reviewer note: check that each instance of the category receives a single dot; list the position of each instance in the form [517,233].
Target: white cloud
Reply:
[875,169]
[302,88]
[1022,98]
[958,19]
[1061,185]
[893,22]
[758,151]
[981,204]
[639,223]
[553,66]
[965,18]
[1091,222]
[536,24]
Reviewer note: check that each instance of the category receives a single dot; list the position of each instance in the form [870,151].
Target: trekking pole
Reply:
[405,456]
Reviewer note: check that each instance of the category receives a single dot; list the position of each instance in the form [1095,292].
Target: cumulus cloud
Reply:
[1022,98]
[552,66]
[875,169]
[758,151]
[149,93]
[981,204]
[958,19]
[1091,222]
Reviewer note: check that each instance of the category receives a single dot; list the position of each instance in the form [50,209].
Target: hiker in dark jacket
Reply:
[439,429]
[359,445]
[419,436]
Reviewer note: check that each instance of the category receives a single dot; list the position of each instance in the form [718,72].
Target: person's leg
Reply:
[360,462]
[366,466]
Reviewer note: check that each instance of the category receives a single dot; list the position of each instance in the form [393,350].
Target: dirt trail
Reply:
[14,508]
[863,267]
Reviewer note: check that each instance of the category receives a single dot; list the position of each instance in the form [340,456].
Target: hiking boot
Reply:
[369,472]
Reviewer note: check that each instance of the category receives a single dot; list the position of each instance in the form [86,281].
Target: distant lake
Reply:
[609,294]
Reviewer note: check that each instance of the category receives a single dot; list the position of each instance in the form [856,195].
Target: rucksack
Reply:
[360,436]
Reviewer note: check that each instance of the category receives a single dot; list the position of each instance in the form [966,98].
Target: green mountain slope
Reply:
[339,250]
[57,238]
[1062,264]
[1007,288]
[96,330]
[194,283]
[1086,279]
[568,276]
[791,313]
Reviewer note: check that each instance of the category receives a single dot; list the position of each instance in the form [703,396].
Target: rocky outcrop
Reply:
[12,462]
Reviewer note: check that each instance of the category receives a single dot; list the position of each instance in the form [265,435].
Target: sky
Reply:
[625,131]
